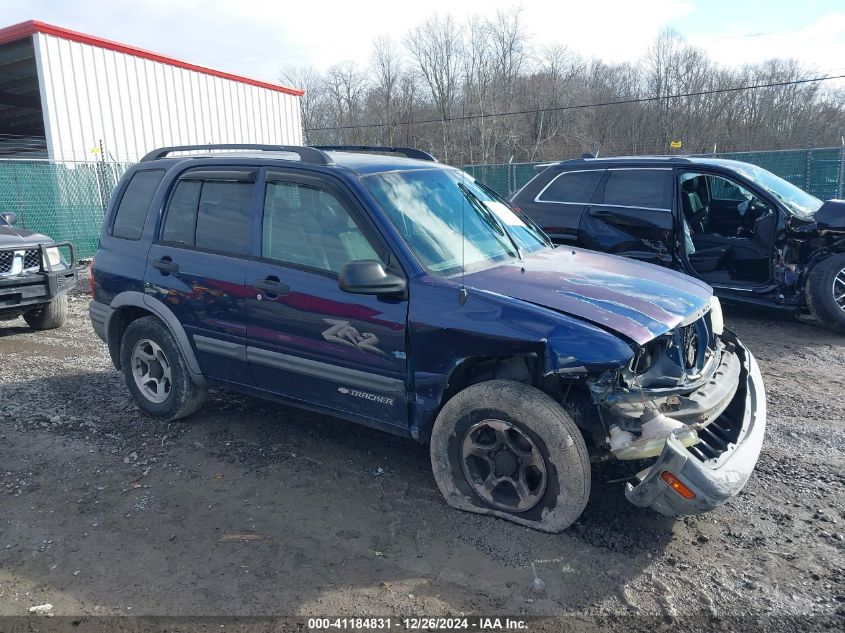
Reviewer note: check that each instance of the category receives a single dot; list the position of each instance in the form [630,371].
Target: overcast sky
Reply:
[258,38]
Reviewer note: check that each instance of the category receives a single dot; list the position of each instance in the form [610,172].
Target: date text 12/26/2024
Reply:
[418,623]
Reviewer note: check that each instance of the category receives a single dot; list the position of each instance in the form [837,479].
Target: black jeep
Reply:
[35,275]
[751,235]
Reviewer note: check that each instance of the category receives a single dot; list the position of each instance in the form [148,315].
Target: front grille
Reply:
[31,259]
[6,259]
[716,437]
[722,434]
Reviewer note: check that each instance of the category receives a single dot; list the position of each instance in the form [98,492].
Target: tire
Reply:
[825,284]
[166,390]
[48,316]
[529,416]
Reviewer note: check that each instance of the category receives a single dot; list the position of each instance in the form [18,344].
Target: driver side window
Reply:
[713,204]
[727,228]
[308,226]
[724,189]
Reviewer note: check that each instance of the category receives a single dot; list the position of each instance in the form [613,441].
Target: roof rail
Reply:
[306,154]
[407,152]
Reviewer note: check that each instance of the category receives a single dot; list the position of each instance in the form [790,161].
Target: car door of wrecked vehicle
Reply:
[632,215]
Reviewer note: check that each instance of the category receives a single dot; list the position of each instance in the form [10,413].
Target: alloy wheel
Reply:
[503,465]
[839,289]
[151,371]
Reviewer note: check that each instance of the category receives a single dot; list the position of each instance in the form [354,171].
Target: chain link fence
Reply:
[67,200]
[820,171]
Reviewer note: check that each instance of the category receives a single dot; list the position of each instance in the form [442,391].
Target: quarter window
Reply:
[210,214]
[131,214]
[649,188]
[309,226]
[573,186]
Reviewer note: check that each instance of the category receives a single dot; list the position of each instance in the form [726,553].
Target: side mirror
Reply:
[9,217]
[368,277]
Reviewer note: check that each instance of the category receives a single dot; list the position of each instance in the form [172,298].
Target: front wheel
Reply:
[49,315]
[825,292]
[509,450]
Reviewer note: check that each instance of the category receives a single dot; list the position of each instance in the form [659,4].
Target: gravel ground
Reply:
[252,508]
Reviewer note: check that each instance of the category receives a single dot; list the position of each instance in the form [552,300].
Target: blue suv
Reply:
[380,286]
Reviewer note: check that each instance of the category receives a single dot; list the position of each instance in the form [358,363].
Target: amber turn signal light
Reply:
[675,484]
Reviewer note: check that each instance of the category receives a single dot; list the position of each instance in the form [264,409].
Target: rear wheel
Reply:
[825,292]
[156,373]
[49,315]
[509,450]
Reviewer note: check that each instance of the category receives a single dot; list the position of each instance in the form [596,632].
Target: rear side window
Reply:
[572,186]
[210,214]
[131,214]
[649,188]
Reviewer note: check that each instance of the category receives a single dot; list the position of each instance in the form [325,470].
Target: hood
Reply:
[637,300]
[10,236]
[831,216]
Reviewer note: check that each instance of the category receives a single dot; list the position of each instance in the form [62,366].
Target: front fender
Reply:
[446,335]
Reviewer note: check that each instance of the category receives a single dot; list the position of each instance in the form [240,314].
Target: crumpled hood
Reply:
[635,299]
[831,216]
[10,236]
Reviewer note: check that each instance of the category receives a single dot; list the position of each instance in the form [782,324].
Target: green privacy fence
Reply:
[65,201]
[820,171]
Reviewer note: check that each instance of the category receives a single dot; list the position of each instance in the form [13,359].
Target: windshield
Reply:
[429,207]
[794,198]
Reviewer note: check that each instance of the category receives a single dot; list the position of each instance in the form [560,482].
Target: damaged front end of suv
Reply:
[692,400]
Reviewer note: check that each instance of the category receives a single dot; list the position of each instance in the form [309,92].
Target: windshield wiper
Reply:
[490,217]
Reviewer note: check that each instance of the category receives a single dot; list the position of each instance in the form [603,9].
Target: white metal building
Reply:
[72,97]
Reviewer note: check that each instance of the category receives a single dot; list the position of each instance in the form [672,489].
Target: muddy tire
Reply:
[509,450]
[825,292]
[156,372]
[48,316]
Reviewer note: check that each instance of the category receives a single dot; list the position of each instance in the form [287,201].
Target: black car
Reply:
[35,275]
[753,236]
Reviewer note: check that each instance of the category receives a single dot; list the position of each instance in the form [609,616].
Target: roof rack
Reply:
[407,152]
[306,154]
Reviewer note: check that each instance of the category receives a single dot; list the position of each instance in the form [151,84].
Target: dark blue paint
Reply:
[574,311]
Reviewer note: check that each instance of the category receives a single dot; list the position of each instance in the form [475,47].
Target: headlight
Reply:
[52,256]
[717,321]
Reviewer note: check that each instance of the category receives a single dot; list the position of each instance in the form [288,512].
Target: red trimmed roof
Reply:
[26,29]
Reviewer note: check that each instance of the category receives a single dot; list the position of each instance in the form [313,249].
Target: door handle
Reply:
[601,214]
[271,287]
[166,265]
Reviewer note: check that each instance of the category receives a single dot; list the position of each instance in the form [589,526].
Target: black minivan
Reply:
[753,236]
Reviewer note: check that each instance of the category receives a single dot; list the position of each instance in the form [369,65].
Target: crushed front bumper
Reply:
[715,479]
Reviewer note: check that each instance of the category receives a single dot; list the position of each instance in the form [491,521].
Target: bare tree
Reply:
[387,69]
[345,87]
[435,46]
[445,89]
[308,79]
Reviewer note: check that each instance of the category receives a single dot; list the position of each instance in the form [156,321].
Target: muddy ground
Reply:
[253,508]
